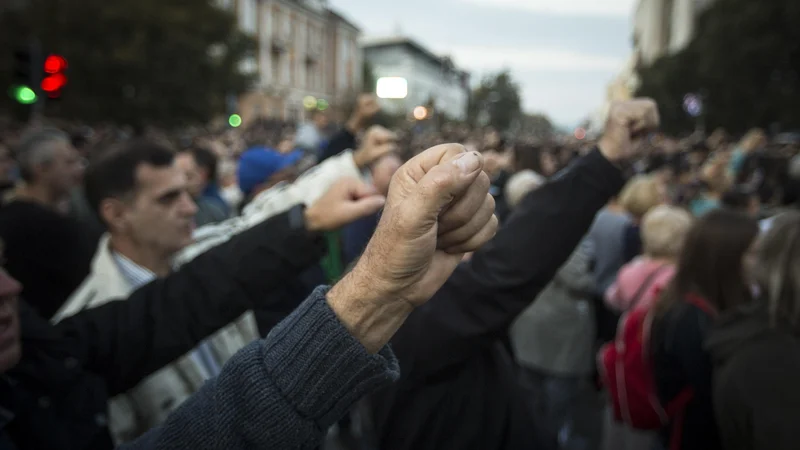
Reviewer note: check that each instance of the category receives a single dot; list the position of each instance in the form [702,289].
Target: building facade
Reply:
[304,49]
[660,27]
[430,78]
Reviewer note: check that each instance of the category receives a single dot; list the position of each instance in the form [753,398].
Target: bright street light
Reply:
[392,87]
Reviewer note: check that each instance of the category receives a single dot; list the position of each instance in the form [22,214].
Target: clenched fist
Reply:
[627,123]
[438,209]
[346,201]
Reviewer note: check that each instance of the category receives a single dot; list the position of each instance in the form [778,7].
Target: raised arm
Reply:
[285,391]
[306,190]
[483,297]
[126,341]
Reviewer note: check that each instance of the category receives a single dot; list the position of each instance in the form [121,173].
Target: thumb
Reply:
[447,181]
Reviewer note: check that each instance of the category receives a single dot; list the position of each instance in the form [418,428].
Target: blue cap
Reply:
[258,165]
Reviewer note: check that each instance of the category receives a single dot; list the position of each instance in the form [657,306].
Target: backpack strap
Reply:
[701,303]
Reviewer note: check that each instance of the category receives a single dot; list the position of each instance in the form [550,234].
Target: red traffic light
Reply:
[53,83]
[55,64]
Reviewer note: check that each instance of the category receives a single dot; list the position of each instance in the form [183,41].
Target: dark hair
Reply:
[711,263]
[737,199]
[206,159]
[113,174]
[528,157]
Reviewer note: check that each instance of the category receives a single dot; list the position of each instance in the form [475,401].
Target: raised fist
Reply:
[438,208]
[627,123]
[346,201]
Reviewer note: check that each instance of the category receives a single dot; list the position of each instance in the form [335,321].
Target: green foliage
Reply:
[535,125]
[368,78]
[745,59]
[496,102]
[167,62]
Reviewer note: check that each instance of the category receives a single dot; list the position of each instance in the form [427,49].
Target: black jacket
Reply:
[679,362]
[48,252]
[56,397]
[458,386]
[756,369]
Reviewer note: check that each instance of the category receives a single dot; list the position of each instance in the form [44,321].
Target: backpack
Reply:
[627,373]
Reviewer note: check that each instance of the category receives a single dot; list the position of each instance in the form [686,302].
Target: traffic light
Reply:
[23,77]
[55,78]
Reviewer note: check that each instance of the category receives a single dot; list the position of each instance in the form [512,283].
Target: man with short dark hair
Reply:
[48,252]
[144,199]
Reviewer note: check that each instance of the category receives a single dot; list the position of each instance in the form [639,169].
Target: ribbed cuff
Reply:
[319,367]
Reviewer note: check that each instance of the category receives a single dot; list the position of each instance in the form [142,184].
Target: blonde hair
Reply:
[520,184]
[664,229]
[754,138]
[640,195]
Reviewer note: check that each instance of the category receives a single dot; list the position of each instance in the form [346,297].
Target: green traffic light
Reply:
[235,120]
[24,95]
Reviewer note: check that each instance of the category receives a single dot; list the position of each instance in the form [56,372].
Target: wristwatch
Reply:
[297,217]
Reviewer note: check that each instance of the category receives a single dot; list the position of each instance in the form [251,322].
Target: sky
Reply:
[562,53]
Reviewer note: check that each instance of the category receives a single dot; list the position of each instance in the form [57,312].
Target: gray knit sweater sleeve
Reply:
[282,392]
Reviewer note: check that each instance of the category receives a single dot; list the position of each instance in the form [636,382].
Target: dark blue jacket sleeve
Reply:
[282,392]
[482,298]
[341,141]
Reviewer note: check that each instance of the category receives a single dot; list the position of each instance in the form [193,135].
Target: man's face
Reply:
[10,345]
[161,215]
[65,172]
[194,180]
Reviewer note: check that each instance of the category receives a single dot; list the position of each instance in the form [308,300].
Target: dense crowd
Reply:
[172,289]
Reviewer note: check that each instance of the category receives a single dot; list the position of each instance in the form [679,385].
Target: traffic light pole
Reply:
[37,110]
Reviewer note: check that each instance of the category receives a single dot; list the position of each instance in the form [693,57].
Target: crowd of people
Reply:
[275,286]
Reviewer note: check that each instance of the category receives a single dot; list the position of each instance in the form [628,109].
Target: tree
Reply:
[368,77]
[744,59]
[495,102]
[535,125]
[165,62]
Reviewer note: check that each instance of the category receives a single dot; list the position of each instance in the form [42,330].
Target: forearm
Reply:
[127,340]
[370,319]
[483,296]
[305,190]
[280,392]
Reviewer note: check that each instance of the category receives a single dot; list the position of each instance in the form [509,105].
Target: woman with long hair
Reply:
[756,350]
[709,280]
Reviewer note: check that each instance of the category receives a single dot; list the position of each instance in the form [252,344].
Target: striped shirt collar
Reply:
[133,273]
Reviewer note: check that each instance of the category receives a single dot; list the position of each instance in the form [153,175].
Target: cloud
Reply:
[612,8]
[532,59]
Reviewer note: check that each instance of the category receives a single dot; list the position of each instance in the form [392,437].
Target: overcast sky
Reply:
[562,52]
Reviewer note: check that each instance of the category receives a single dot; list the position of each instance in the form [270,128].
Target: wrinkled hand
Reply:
[377,143]
[346,201]
[628,122]
[438,208]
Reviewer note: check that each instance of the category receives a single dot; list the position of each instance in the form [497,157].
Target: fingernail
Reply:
[468,162]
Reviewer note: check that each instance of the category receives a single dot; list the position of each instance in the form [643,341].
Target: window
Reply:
[248,16]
